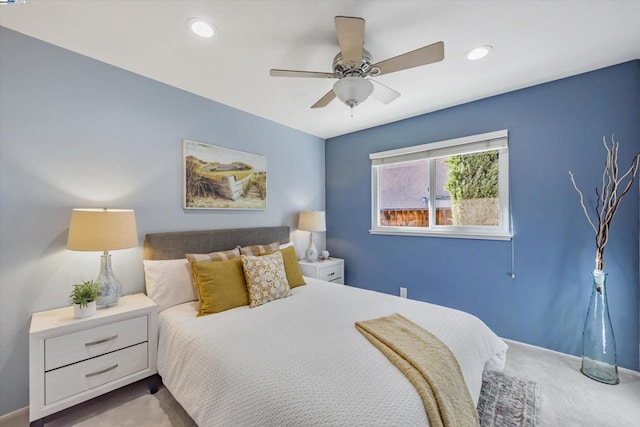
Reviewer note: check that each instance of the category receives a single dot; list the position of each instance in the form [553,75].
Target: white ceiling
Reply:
[534,42]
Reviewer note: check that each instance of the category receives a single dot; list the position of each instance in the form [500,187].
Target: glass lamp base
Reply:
[311,254]
[110,288]
[109,294]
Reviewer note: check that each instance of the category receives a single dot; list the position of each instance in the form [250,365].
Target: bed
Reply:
[299,360]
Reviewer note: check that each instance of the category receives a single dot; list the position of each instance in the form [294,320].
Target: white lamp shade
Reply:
[102,229]
[312,221]
[353,90]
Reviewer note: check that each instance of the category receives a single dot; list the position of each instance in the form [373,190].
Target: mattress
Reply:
[300,360]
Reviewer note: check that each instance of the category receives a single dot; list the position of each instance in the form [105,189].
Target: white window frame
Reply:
[476,143]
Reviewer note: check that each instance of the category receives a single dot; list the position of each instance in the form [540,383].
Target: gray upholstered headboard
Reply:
[174,245]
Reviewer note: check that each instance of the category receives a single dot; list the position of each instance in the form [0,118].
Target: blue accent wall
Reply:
[553,128]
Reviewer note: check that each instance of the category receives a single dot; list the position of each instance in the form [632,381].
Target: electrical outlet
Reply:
[403,292]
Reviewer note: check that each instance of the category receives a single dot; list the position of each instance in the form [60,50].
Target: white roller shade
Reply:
[451,147]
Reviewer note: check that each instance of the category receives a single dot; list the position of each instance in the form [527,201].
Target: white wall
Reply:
[75,132]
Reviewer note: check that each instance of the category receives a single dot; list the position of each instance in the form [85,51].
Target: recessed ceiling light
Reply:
[201,27]
[478,52]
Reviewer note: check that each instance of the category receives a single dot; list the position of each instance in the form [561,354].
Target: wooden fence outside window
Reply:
[418,217]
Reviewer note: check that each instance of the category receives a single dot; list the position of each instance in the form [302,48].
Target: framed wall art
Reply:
[221,178]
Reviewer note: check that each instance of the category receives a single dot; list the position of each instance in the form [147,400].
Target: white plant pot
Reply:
[79,311]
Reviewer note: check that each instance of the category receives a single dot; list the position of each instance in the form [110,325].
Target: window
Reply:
[453,188]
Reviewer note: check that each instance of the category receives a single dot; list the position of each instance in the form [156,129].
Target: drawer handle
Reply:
[87,344]
[332,274]
[93,374]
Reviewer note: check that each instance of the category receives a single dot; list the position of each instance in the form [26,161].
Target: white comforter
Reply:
[300,361]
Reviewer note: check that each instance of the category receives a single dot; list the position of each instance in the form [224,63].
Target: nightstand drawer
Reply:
[330,273]
[74,379]
[71,348]
[331,270]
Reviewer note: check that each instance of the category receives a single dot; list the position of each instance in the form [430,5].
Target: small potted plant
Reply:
[83,297]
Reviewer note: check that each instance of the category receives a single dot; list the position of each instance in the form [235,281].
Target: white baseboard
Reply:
[18,417]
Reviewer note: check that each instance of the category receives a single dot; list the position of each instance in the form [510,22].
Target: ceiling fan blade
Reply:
[295,73]
[383,93]
[415,58]
[350,32]
[325,100]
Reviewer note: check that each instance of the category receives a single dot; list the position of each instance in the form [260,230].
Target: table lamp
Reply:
[311,221]
[103,230]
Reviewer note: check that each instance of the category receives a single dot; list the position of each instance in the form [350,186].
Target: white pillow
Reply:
[286,245]
[168,282]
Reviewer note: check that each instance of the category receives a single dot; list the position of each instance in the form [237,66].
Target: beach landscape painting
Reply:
[221,178]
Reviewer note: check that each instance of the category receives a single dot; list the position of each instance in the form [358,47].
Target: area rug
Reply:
[507,401]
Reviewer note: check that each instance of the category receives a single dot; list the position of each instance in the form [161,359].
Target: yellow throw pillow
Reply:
[213,256]
[291,267]
[221,285]
[266,278]
[257,250]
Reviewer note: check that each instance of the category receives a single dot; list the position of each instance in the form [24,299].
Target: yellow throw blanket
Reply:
[428,364]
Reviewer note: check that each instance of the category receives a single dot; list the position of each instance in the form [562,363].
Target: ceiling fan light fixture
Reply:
[353,90]
[201,27]
[478,52]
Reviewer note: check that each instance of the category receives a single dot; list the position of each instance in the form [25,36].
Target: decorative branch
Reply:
[584,208]
[609,198]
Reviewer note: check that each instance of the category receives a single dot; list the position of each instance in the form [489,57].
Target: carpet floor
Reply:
[567,398]
[570,399]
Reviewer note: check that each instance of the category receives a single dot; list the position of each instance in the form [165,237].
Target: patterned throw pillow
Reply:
[266,278]
[214,256]
[257,250]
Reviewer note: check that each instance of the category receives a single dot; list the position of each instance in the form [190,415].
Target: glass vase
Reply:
[599,345]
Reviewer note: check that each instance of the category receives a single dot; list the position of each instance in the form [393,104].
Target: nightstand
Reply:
[74,360]
[331,270]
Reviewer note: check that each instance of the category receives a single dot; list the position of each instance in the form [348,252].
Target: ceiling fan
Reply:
[353,66]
